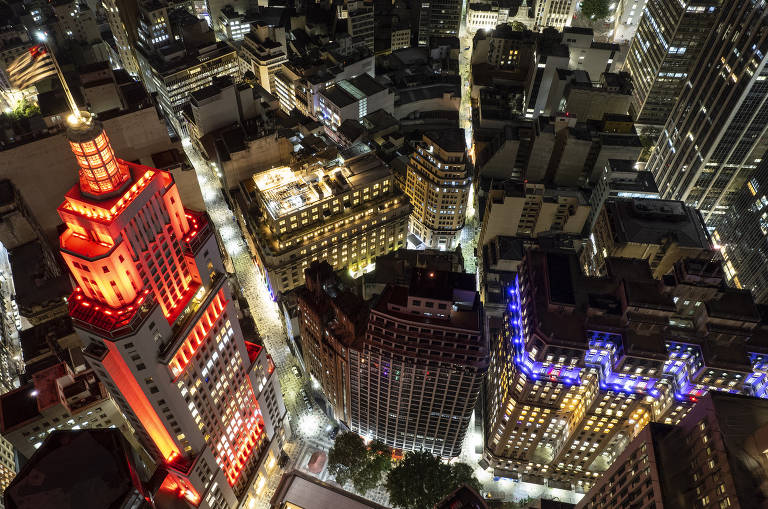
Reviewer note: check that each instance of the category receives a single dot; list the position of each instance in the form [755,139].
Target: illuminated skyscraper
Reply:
[157,314]
[714,136]
[667,43]
[582,364]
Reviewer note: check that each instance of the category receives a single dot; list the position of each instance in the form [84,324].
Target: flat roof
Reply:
[347,92]
[306,492]
[285,190]
[652,221]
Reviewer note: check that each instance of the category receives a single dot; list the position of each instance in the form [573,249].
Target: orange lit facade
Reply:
[156,312]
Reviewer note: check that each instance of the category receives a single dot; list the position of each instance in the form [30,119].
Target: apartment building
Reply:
[438,184]
[527,210]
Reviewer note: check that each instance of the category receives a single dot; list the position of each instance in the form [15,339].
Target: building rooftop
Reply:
[285,190]
[450,140]
[303,491]
[85,469]
[379,120]
[34,287]
[441,285]
[622,182]
[347,92]
[651,221]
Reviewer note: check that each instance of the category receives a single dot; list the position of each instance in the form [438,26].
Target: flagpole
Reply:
[67,92]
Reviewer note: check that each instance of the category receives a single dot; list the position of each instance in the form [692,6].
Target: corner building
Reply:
[159,322]
[437,183]
[415,379]
[584,363]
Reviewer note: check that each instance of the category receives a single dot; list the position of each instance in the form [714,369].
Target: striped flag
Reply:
[34,65]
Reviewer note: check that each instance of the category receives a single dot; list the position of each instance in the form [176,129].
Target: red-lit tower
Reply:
[153,306]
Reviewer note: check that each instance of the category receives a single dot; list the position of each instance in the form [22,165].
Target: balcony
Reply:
[106,321]
[199,231]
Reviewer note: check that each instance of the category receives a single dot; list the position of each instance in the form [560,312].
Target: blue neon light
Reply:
[685,362]
[536,370]
[757,382]
[604,351]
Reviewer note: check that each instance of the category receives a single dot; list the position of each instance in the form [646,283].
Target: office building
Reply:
[437,18]
[398,266]
[344,211]
[154,24]
[333,318]
[582,364]
[709,147]
[415,380]
[175,75]
[554,13]
[298,83]
[231,24]
[75,21]
[741,234]
[360,22]
[8,467]
[438,184]
[586,54]
[620,179]
[122,19]
[711,459]
[298,490]
[352,99]
[332,321]
[11,361]
[482,16]
[159,320]
[264,51]
[667,44]
[660,231]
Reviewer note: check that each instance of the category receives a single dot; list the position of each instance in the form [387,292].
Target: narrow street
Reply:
[309,427]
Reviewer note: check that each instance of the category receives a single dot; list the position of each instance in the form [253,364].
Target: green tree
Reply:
[595,9]
[421,480]
[25,109]
[518,27]
[378,460]
[350,460]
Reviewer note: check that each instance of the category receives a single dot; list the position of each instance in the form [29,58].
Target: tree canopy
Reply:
[25,109]
[421,480]
[350,460]
[595,9]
